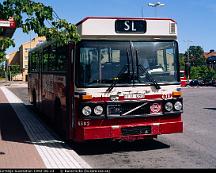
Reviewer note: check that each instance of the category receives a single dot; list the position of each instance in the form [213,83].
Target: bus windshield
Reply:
[100,63]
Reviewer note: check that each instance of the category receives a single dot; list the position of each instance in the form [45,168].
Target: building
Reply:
[20,57]
[24,50]
[13,59]
[211,59]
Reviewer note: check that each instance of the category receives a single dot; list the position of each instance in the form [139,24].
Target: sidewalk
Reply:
[16,150]
[13,83]
[25,142]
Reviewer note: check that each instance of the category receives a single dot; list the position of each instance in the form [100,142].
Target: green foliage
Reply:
[14,70]
[202,72]
[195,56]
[4,44]
[35,16]
[182,61]
[2,71]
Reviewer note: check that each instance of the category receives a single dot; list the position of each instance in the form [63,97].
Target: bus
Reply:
[121,81]
[183,78]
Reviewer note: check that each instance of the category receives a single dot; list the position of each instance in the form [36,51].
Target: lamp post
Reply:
[155,5]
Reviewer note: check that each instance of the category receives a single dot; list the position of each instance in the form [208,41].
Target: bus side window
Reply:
[61,59]
[52,59]
[33,62]
[45,60]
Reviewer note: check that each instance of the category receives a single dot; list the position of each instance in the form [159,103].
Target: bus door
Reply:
[70,83]
[40,81]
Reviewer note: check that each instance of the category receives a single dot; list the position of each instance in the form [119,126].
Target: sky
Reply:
[196,19]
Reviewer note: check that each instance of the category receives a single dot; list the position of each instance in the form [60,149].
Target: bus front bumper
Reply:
[128,132]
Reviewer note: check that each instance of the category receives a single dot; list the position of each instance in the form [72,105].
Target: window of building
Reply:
[27,49]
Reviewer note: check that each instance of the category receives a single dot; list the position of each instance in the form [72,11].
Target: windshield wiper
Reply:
[116,79]
[145,71]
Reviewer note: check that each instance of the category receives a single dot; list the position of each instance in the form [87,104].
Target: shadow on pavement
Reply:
[108,146]
[12,130]
[210,109]
[10,127]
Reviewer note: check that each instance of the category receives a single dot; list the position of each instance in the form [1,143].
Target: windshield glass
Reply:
[102,62]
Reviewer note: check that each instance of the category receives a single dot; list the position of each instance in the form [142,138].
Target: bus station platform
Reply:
[27,143]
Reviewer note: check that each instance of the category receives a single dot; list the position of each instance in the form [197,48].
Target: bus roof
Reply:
[124,27]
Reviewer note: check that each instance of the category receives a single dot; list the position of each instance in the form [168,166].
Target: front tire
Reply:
[34,99]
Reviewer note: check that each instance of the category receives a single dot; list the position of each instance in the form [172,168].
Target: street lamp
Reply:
[155,5]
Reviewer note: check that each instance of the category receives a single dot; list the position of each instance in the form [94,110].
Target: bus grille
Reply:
[122,108]
[136,130]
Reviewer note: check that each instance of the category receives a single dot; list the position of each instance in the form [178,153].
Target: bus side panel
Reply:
[60,104]
[47,96]
[54,100]
[33,87]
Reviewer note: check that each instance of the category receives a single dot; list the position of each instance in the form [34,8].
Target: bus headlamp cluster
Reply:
[169,106]
[178,105]
[87,110]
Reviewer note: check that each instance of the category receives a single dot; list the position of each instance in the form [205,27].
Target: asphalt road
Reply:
[194,148]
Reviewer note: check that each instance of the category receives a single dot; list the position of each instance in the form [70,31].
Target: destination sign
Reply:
[130,26]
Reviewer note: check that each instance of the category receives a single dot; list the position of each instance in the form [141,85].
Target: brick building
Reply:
[20,57]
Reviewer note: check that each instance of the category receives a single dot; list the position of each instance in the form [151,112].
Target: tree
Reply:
[182,61]
[35,16]
[195,55]
[13,70]
[202,72]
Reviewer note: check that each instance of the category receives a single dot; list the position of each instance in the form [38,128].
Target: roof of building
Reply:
[209,54]
[211,59]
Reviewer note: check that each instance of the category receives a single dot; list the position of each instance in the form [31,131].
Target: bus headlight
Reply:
[98,110]
[178,106]
[169,106]
[86,111]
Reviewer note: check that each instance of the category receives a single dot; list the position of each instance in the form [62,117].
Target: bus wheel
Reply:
[57,113]
[34,98]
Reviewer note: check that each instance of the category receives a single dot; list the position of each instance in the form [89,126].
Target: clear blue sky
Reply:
[195,18]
